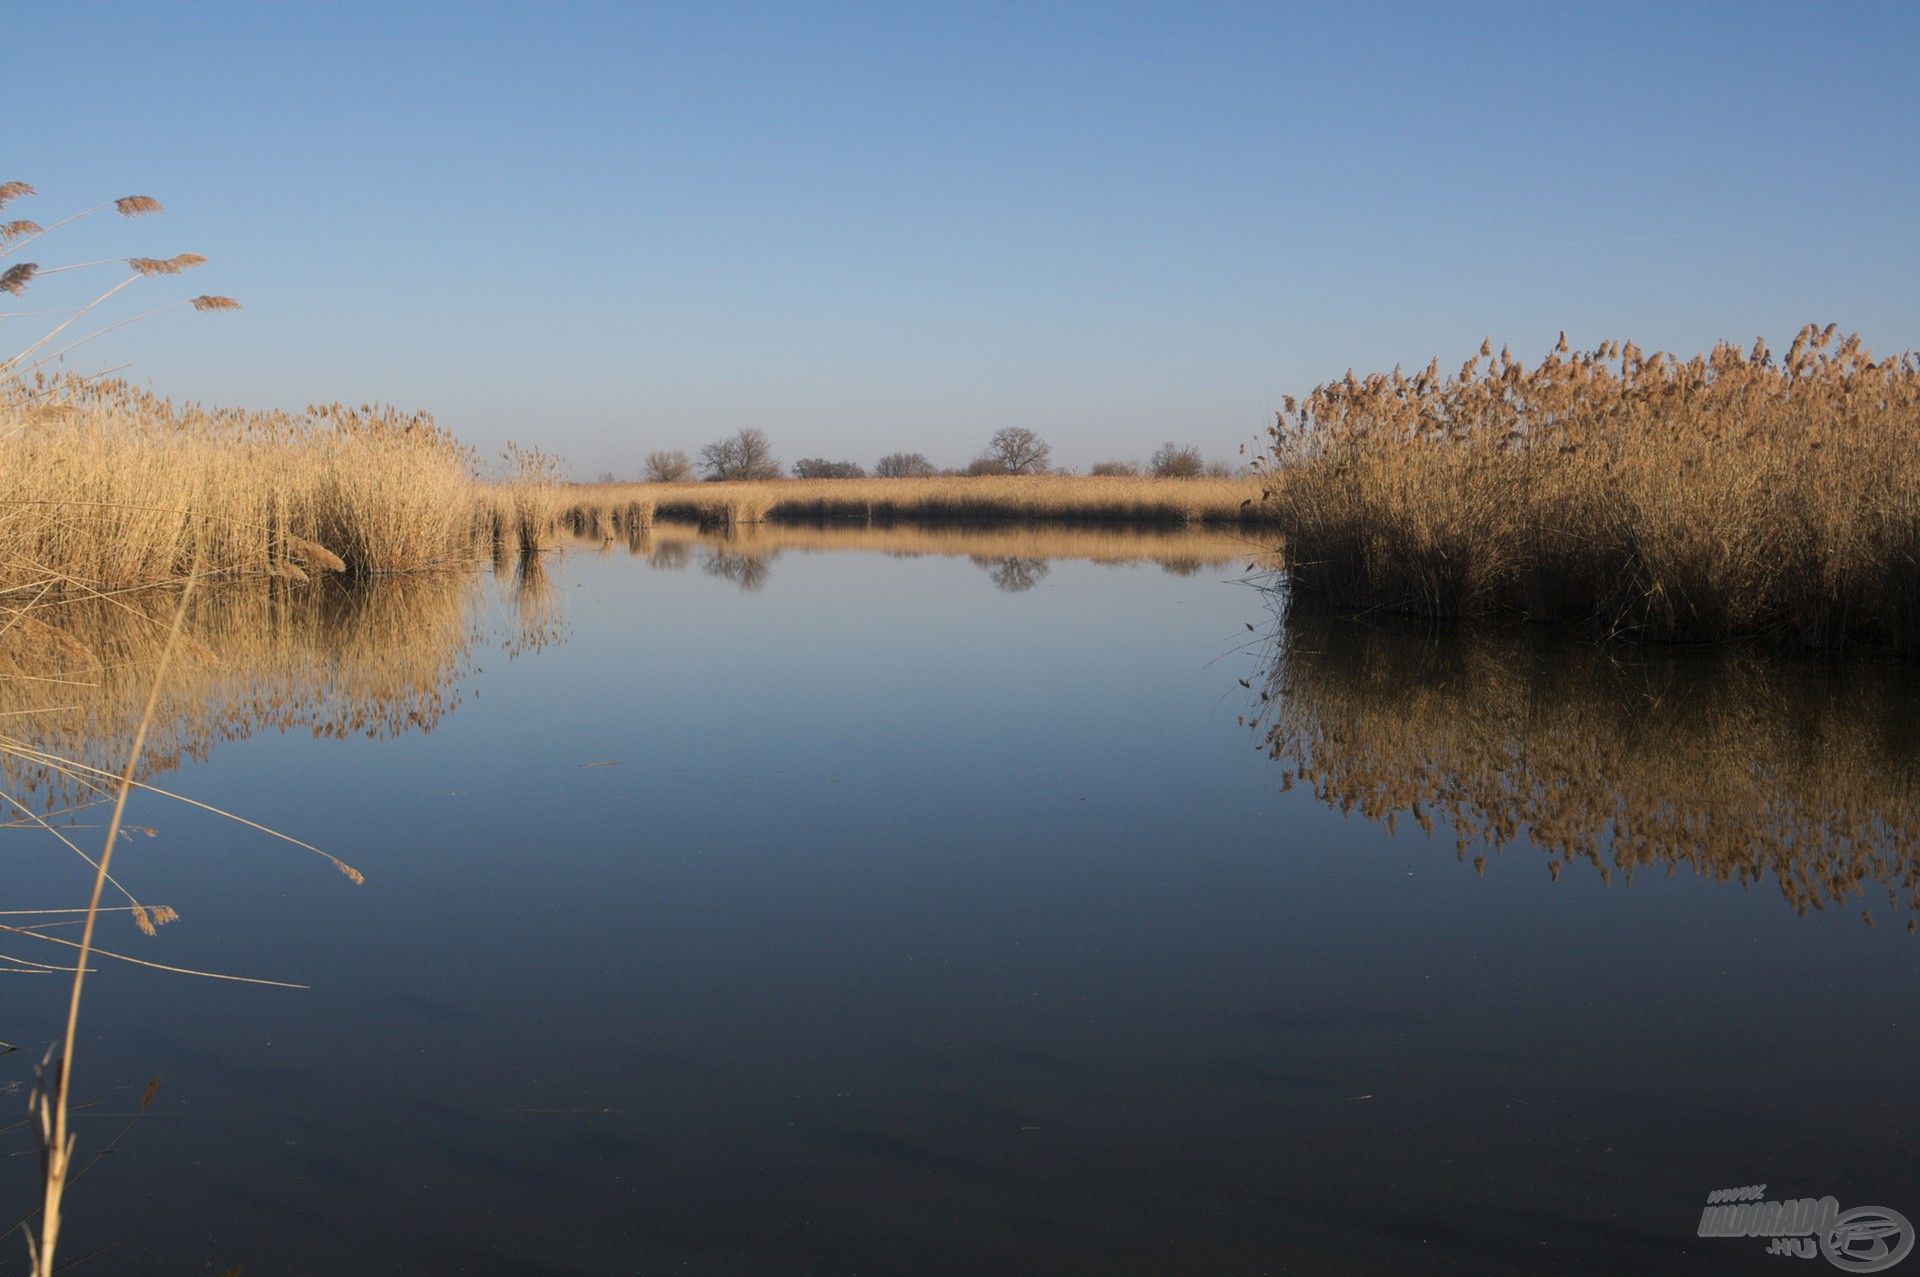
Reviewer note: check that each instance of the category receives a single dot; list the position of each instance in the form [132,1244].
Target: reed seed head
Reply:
[136,205]
[15,278]
[165,265]
[205,302]
[315,554]
[10,191]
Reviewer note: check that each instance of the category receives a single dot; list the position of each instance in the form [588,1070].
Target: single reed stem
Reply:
[56,1141]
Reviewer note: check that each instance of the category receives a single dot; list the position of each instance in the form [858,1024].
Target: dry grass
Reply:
[948,499]
[521,514]
[1725,762]
[105,487]
[1729,494]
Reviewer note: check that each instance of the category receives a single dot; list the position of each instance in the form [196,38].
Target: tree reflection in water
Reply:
[1014,573]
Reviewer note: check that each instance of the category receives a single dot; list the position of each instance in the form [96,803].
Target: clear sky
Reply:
[608,228]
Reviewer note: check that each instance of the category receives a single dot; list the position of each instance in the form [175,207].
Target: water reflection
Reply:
[1737,765]
[749,571]
[906,916]
[538,621]
[665,555]
[1014,556]
[1014,573]
[388,657]
[340,661]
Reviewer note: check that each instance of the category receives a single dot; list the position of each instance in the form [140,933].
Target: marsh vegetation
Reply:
[1725,495]
[1043,499]
[832,867]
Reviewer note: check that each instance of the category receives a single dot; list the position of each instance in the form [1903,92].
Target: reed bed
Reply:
[1726,495]
[1728,763]
[104,487]
[946,499]
[522,516]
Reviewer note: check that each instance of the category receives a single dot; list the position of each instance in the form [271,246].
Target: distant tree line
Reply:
[748,455]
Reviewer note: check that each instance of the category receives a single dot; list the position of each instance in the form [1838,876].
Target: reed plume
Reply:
[166,265]
[1724,495]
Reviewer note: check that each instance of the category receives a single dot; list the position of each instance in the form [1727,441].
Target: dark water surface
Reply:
[762,907]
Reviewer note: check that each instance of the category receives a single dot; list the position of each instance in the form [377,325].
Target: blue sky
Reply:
[607,228]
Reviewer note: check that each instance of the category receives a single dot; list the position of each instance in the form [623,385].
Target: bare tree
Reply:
[903,465]
[1176,461]
[821,468]
[1018,450]
[747,455]
[668,466]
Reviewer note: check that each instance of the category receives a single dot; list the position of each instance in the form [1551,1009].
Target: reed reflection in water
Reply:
[1738,765]
[370,660]
[1014,556]
[339,660]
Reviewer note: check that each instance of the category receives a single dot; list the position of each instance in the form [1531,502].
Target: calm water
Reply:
[894,903]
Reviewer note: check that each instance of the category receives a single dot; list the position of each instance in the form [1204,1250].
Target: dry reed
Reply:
[115,504]
[948,499]
[52,1102]
[1729,494]
[104,486]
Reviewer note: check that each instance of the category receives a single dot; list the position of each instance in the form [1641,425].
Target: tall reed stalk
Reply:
[53,1100]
